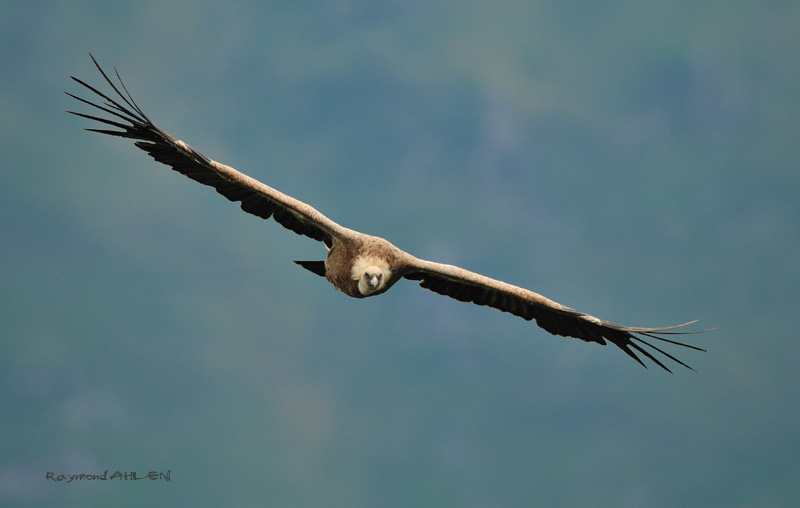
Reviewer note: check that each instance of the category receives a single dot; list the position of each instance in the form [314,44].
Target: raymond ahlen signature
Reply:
[116,475]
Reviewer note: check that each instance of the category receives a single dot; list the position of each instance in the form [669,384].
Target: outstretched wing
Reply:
[255,197]
[553,317]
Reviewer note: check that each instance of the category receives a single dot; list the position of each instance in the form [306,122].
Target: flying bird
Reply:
[357,264]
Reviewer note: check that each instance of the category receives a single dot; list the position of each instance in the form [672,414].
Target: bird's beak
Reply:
[373,281]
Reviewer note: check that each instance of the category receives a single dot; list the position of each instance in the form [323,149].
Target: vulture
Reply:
[358,264]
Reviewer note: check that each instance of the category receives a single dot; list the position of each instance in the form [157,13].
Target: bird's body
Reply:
[353,260]
[357,264]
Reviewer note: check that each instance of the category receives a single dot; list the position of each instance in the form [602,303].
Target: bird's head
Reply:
[371,281]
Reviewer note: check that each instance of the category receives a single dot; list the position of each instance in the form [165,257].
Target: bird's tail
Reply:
[317,267]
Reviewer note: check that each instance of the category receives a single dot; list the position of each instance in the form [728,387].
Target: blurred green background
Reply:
[634,160]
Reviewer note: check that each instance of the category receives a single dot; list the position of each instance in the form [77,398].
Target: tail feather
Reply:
[317,267]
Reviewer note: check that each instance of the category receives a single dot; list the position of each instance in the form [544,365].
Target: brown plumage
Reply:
[357,264]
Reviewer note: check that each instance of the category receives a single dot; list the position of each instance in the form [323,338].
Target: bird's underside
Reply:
[363,265]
